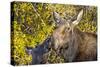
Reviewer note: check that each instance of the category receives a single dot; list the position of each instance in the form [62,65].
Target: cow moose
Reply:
[75,45]
[68,41]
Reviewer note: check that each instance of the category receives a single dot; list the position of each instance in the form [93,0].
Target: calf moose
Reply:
[68,41]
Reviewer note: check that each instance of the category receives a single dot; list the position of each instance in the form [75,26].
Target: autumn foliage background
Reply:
[31,23]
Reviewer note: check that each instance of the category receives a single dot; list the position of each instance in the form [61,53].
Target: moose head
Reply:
[64,29]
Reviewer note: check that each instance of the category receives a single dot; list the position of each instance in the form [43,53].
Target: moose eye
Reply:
[68,28]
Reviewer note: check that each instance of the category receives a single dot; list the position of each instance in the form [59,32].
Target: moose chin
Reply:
[68,41]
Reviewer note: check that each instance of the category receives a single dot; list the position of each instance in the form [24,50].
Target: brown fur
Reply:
[87,49]
[71,43]
[84,47]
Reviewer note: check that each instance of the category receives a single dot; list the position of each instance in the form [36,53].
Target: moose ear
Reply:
[57,18]
[79,17]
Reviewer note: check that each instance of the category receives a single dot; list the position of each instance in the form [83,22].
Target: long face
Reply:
[61,35]
[64,29]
